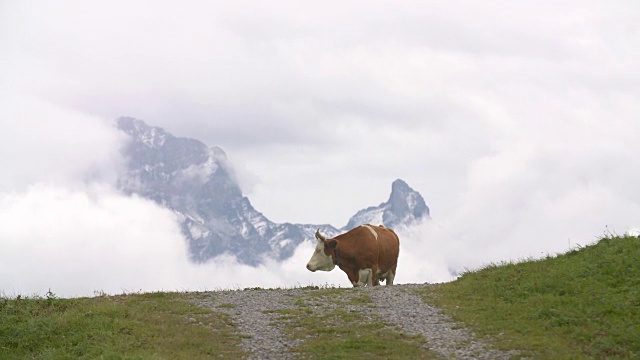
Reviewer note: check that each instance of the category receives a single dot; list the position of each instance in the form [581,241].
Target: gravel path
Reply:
[400,305]
[262,339]
[397,305]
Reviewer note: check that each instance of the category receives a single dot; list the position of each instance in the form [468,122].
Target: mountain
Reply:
[197,182]
[404,207]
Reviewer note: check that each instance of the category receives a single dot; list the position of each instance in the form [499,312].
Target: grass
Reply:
[581,304]
[135,326]
[326,328]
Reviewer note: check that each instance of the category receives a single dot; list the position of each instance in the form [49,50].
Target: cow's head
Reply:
[323,255]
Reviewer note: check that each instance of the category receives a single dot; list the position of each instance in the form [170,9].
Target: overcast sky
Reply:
[518,122]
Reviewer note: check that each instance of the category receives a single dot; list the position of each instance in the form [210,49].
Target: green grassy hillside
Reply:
[136,326]
[582,304]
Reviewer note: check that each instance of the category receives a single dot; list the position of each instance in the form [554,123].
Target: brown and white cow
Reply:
[367,253]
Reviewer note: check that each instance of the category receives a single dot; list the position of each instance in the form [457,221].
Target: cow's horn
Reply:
[319,236]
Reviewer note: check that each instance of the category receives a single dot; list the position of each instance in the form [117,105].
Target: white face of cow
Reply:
[320,261]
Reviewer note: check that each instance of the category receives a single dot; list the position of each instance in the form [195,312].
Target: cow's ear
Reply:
[331,244]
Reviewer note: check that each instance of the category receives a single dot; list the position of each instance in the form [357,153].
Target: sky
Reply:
[518,122]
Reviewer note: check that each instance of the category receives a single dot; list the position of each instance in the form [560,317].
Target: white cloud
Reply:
[80,242]
[75,242]
[41,142]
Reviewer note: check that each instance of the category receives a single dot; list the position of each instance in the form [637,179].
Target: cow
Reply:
[367,253]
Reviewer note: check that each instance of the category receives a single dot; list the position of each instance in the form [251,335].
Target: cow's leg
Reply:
[374,276]
[365,277]
[390,276]
[353,277]
[382,276]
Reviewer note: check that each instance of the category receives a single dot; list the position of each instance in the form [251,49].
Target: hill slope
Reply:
[585,302]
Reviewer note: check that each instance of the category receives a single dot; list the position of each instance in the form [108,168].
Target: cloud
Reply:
[283,72]
[44,143]
[77,243]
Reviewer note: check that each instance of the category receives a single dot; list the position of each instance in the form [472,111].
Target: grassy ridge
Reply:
[137,326]
[585,303]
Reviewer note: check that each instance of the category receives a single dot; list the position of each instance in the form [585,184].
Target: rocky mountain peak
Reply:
[399,186]
[405,206]
[132,125]
[148,135]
